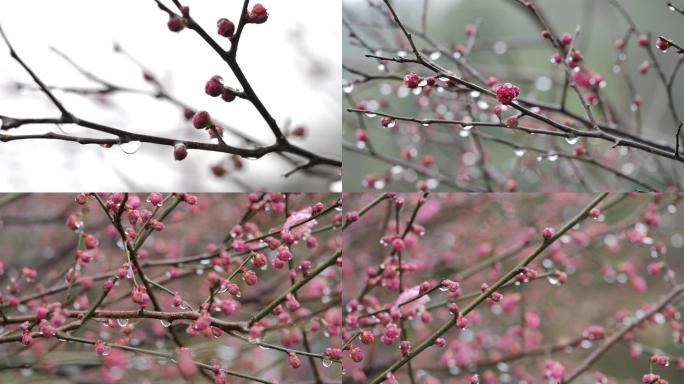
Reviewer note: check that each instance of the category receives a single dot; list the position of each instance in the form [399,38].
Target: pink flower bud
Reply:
[180,151]
[249,277]
[214,87]
[461,322]
[411,80]
[258,15]
[201,119]
[90,242]
[548,233]
[566,39]
[663,44]
[294,360]
[506,93]
[175,23]
[226,28]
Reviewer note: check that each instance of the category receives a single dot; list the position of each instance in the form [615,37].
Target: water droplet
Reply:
[381,67]
[435,55]
[443,288]
[402,53]
[572,140]
[519,152]
[348,88]
[425,124]
[129,273]
[370,114]
[67,129]
[107,350]
[165,323]
[552,156]
[122,322]
[552,280]
[463,133]
[392,124]
[672,8]
[327,362]
[422,83]
[130,147]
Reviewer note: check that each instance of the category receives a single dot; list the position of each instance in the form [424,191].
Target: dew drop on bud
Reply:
[553,280]
[327,362]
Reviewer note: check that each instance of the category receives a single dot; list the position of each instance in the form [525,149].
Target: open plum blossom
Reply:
[506,93]
[415,305]
[296,218]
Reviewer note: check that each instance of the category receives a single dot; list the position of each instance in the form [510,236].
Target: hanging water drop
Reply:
[327,362]
[348,88]
[572,140]
[165,323]
[467,127]
[131,147]
[122,322]
[553,280]
[464,133]
[435,55]
[370,114]
[392,124]
[519,152]
[552,156]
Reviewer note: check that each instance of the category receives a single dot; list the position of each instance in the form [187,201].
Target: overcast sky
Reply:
[293,62]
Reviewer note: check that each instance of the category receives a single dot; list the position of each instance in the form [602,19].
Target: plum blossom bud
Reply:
[226,28]
[660,360]
[411,80]
[356,354]
[100,348]
[663,44]
[258,15]
[90,242]
[249,277]
[175,23]
[367,337]
[461,322]
[566,39]
[201,119]
[177,300]
[180,151]
[405,347]
[548,233]
[294,361]
[512,122]
[140,296]
[506,93]
[214,87]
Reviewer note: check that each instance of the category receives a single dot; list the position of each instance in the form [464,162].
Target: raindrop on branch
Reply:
[131,147]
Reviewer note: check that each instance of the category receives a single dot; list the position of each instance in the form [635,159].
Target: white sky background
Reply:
[278,64]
